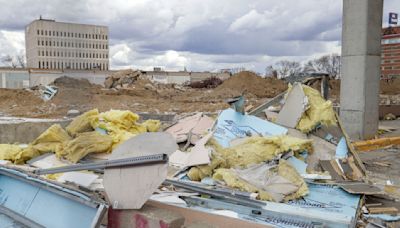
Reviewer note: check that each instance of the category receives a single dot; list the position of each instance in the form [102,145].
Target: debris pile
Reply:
[122,79]
[91,132]
[299,168]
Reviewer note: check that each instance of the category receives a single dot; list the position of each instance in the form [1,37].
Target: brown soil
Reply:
[143,96]
[251,83]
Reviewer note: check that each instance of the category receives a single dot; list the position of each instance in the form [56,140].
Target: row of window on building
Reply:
[58,43]
[58,65]
[72,34]
[69,54]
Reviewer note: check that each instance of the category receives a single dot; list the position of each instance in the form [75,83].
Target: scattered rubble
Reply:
[122,79]
[298,167]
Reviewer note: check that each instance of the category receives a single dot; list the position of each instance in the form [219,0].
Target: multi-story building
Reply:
[59,45]
[390,66]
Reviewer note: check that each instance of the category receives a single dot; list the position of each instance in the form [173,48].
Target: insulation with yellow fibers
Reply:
[47,142]
[320,111]
[199,172]
[252,151]
[121,119]
[284,169]
[152,125]
[84,144]
[9,151]
[122,125]
[83,123]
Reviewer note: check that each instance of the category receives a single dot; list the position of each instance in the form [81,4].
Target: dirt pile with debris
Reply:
[250,83]
[139,95]
[67,82]
[122,79]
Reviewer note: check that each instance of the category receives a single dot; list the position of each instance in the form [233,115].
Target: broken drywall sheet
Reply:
[296,104]
[130,187]
[191,128]
[79,178]
[202,127]
[231,125]
[198,155]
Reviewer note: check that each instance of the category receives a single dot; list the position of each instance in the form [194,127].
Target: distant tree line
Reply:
[329,64]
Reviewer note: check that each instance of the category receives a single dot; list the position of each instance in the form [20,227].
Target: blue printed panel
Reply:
[232,125]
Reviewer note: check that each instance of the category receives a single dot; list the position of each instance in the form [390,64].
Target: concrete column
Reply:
[361,59]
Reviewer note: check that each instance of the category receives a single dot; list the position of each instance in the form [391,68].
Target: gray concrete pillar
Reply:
[361,59]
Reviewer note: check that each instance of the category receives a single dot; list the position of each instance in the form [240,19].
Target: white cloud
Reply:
[253,20]
[199,35]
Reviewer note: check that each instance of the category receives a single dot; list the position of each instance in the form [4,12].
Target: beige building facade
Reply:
[58,45]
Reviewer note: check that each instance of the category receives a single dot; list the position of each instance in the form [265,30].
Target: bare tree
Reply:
[285,68]
[271,72]
[14,61]
[21,60]
[8,60]
[329,64]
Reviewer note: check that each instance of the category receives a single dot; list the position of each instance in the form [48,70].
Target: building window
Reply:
[41,32]
[38,34]
[45,32]
[39,64]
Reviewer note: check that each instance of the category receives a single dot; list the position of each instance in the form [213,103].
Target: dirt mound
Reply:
[251,83]
[68,82]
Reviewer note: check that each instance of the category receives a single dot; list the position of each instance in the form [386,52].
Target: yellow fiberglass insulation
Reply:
[122,125]
[83,123]
[252,151]
[260,149]
[84,144]
[284,170]
[9,151]
[122,119]
[47,142]
[152,125]
[320,111]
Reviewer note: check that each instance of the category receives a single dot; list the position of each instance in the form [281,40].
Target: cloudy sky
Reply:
[196,34]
